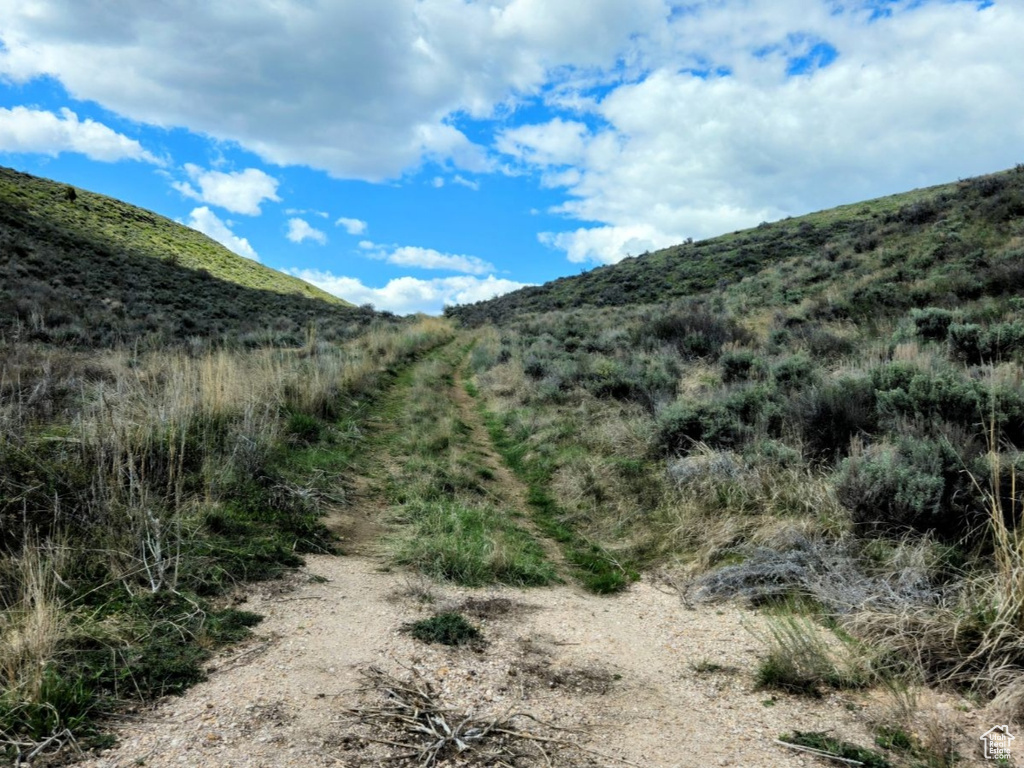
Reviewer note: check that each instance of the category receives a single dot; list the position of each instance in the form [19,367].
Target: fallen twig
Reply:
[817,752]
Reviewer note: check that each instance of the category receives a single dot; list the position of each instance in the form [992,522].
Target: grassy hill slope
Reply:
[97,271]
[934,245]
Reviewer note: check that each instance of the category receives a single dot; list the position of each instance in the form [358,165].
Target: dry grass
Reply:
[32,624]
[158,471]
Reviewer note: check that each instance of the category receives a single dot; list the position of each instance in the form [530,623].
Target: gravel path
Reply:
[619,668]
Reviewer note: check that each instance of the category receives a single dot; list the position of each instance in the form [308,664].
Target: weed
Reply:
[824,745]
[446,629]
[800,659]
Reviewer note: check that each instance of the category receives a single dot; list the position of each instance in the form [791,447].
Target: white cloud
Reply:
[407,295]
[378,82]
[207,222]
[467,183]
[300,230]
[238,191]
[607,245]
[306,212]
[352,226]
[920,98]
[33,130]
[427,258]
[555,143]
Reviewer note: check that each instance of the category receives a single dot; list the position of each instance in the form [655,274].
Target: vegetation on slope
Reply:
[850,262]
[94,271]
[841,425]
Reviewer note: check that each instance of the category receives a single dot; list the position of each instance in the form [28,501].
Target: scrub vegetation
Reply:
[823,416]
[824,413]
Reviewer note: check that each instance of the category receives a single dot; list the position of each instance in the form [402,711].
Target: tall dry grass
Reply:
[129,459]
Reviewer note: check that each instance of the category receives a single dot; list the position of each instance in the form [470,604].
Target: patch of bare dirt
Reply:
[616,673]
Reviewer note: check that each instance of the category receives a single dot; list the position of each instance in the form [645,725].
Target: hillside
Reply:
[96,271]
[935,245]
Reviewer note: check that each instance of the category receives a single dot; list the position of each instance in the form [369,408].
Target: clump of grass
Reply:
[445,628]
[800,659]
[470,545]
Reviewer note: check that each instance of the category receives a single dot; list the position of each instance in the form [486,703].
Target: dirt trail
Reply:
[508,489]
[637,676]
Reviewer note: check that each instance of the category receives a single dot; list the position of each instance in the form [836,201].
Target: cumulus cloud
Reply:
[238,191]
[33,130]
[207,222]
[352,226]
[753,115]
[381,82]
[408,295]
[300,230]
[427,258]
[607,245]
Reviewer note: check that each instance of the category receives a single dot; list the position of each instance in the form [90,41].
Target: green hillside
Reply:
[86,269]
[935,245]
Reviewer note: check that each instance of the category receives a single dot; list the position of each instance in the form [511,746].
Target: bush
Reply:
[965,342]
[724,423]
[445,628]
[916,484]
[740,365]
[908,392]
[976,344]
[796,372]
[648,381]
[932,323]
[830,415]
[695,333]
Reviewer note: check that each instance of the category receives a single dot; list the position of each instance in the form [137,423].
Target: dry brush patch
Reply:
[405,718]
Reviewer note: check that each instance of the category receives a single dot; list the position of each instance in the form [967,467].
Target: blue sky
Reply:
[412,153]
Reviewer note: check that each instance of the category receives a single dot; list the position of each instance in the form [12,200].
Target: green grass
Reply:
[452,515]
[98,272]
[470,545]
[830,745]
[445,628]
[596,569]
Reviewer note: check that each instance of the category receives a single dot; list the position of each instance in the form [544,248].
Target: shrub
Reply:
[685,423]
[932,323]
[905,392]
[695,333]
[740,365]
[976,344]
[795,372]
[830,415]
[916,484]
[648,381]
[965,342]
